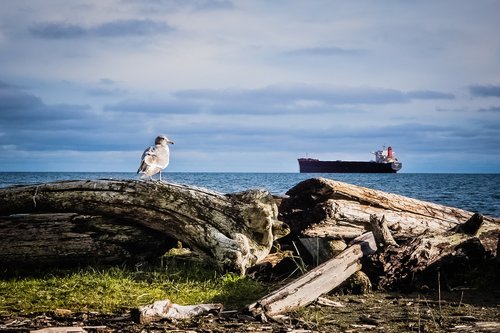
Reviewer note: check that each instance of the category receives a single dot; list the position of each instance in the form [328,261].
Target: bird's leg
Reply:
[160,175]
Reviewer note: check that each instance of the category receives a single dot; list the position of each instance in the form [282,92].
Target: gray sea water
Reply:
[473,192]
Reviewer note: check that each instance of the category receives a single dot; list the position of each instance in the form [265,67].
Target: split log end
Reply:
[381,231]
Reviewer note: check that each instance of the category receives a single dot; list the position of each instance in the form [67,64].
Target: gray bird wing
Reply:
[148,152]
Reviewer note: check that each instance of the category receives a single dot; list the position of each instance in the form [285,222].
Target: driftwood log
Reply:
[320,207]
[456,251]
[233,231]
[381,232]
[322,279]
[415,238]
[165,309]
[113,221]
[62,239]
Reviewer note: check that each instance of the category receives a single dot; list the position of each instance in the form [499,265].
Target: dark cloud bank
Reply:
[18,107]
[118,28]
[30,124]
[485,90]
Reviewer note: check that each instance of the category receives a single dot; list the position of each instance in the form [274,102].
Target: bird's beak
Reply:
[171,142]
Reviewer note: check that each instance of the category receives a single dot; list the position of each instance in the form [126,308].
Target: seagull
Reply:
[155,158]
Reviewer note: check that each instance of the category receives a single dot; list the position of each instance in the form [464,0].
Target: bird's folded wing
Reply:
[146,158]
[151,160]
[149,151]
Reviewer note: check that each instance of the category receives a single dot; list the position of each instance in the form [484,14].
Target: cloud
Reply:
[17,105]
[428,94]
[106,81]
[121,28]
[13,99]
[287,93]
[27,122]
[122,125]
[324,51]
[490,109]
[346,81]
[173,6]
[279,94]
[209,5]
[462,109]
[471,110]
[272,100]
[154,106]
[59,30]
[485,90]
[117,28]
[106,92]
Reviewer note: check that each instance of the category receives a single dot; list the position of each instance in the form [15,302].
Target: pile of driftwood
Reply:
[344,228]
[398,241]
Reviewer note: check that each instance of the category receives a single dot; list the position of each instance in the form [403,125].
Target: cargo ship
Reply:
[385,162]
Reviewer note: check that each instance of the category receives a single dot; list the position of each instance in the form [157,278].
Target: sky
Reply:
[249,86]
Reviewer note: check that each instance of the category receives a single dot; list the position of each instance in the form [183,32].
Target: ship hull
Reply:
[316,166]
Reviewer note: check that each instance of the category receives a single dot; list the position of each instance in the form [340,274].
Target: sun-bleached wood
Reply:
[320,207]
[61,239]
[165,309]
[317,281]
[381,232]
[233,231]
[432,252]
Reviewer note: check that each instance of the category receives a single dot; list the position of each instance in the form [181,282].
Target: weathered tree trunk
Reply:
[452,251]
[381,232]
[234,231]
[60,239]
[317,281]
[320,207]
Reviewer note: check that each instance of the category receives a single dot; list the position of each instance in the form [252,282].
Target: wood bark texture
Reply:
[429,236]
[317,281]
[234,231]
[381,232]
[320,207]
[452,251]
[62,239]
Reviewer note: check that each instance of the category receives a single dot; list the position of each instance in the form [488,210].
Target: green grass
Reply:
[109,290]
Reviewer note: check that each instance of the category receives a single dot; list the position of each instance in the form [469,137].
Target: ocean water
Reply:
[473,192]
